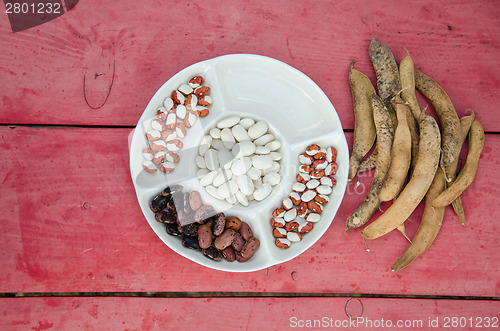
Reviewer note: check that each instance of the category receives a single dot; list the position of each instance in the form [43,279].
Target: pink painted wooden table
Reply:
[75,244]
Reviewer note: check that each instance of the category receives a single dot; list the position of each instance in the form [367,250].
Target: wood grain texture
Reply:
[241,313]
[138,48]
[70,222]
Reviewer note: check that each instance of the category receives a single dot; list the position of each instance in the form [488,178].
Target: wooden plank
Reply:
[125,58]
[70,313]
[70,222]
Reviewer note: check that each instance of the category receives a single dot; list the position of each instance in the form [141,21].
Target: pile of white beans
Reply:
[239,160]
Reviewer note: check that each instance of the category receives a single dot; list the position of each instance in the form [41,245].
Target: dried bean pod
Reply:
[386,70]
[451,170]
[423,175]
[450,123]
[369,163]
[407,78]
[385,137]
[429,227]
[468,172]
[401,156]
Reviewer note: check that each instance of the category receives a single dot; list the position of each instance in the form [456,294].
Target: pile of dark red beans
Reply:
[201,228]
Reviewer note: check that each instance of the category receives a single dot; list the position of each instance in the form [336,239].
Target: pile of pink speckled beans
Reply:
[178,113]
[302,208]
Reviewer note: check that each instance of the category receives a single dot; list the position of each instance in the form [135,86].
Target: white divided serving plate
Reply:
[296,110]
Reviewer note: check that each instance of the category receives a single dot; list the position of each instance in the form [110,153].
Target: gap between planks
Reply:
[240,295]
[78,126]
